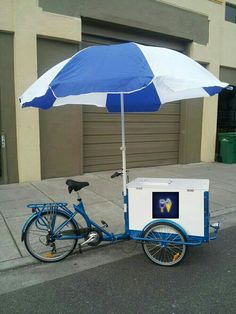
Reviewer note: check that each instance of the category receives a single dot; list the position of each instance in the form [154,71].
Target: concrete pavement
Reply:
[103,201]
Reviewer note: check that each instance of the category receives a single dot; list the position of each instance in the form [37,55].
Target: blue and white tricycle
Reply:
[164,215]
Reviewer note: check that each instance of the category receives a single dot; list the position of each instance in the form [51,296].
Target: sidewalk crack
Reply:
[9,230]
[105,199]
[51,199]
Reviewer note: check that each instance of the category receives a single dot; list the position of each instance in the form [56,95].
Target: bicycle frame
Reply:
[79,209]
[107,236]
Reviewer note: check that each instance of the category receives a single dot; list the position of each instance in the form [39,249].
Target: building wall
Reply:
[150,15]
[200,24]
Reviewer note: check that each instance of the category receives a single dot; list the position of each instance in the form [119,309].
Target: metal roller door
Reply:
[152,139]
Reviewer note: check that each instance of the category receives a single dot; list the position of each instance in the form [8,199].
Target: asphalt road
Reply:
[205,282]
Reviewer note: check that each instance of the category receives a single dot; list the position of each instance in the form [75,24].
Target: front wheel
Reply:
[163,250]
[39,242]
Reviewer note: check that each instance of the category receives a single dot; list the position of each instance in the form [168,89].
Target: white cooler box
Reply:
[182,201]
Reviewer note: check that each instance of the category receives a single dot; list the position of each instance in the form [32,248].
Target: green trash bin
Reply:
[228,147]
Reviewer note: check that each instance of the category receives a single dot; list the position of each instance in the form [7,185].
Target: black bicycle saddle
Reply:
[75,185]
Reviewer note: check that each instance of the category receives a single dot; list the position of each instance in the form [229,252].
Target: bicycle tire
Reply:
[47,255]
[164,254]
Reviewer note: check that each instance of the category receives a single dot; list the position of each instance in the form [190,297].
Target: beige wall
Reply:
[26,20]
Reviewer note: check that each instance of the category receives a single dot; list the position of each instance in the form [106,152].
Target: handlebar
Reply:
[120,173]
[116,174]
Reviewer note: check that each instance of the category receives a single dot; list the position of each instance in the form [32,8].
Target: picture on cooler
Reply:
[165,205]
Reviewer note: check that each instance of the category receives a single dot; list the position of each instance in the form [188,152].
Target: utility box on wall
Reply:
[183,201]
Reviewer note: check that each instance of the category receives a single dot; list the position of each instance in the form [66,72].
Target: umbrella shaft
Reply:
[123,147]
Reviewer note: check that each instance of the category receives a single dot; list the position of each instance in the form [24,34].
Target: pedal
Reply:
[104,224]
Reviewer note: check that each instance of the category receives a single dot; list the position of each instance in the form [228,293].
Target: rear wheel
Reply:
[160,250]
[41,245]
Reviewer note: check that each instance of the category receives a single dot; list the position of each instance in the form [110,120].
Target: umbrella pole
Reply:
[123,147]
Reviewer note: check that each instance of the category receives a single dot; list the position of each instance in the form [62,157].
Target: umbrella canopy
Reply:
[123,78]
[147,76]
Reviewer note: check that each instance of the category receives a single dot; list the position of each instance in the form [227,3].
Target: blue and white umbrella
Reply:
[123,78]
[147,76]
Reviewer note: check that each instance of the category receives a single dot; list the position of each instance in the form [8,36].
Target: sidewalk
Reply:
[103,200]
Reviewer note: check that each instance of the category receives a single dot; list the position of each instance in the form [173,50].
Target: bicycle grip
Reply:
[116,174]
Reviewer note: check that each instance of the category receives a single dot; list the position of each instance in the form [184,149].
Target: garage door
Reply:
[152,139]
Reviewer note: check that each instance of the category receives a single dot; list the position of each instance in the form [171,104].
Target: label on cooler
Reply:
[165,205]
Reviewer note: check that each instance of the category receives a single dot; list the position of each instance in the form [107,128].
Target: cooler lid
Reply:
[170,183]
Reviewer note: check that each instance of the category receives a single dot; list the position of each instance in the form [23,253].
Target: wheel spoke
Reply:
[158,249]
[162,251]
[43,248]
[153,246]
[169,255]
